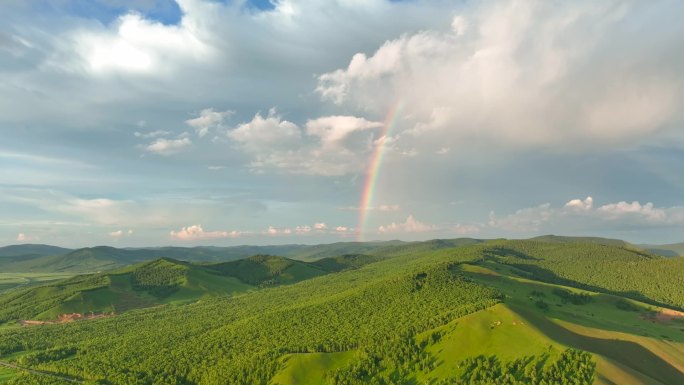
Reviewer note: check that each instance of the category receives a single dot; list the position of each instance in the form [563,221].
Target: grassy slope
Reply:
[309,368]
[628,349]
[620,338]
[202,284]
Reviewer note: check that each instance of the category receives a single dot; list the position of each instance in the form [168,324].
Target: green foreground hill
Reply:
[497,312]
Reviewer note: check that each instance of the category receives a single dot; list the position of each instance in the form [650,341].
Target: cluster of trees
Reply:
[158,273]
[573,367]
[160,278]
[256,270]
[567,296]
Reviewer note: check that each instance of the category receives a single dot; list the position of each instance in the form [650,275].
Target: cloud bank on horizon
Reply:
[228,122]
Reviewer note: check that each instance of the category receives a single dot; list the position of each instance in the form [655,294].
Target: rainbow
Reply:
[373,171]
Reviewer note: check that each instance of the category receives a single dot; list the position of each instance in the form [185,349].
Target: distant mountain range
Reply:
[52,259]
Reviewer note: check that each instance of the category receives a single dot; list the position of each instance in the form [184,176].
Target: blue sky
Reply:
[155,122]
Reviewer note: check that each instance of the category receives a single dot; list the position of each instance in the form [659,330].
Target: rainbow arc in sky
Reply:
[373,171]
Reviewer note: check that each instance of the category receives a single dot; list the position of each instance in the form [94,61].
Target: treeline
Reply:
[573,367]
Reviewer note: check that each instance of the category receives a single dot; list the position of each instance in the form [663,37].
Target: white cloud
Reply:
[622,210]
[136,45]
[577,214]
[329,145]
[332,130]
[505,65]
[264,134]
[120,233]
[208,119]
[196,232]
[169,146]
[318,228]
[582,205]
[411,225]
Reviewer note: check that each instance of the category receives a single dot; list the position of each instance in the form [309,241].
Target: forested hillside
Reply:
[498,312]
[162,281]
[624,271]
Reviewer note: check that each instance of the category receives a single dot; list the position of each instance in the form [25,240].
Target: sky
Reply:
[206,122]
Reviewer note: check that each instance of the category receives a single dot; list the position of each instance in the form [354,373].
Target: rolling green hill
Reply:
[31,249]
[585,240]
[143,285]
[344,262]
[495,312]
[316,252]
[260,270]
[161,281]
[413,248]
